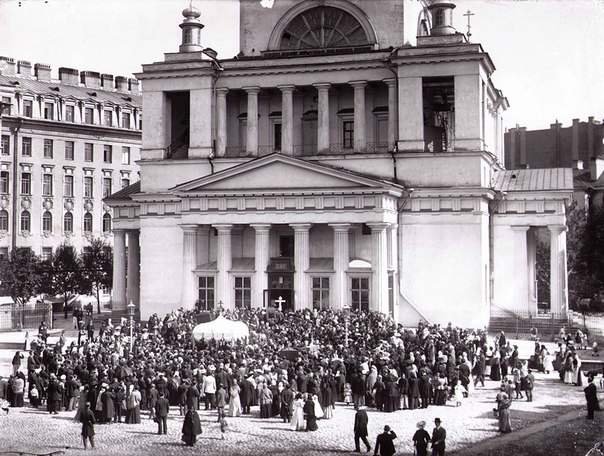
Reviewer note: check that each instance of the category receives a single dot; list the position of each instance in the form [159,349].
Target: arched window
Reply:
[68,222]
[25,221]
[3,220]
[47,221]
[323,27]
[106,223]
[87,222]
[439,17]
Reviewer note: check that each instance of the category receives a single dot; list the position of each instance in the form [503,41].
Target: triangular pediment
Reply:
[281,173]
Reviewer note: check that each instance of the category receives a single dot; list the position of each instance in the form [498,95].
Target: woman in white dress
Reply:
[318,409]
[297,423]
[234,401]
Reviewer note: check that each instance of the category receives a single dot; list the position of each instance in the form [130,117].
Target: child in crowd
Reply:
[347,393]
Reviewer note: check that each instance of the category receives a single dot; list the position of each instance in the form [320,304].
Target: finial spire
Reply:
[191,30]
[469,15]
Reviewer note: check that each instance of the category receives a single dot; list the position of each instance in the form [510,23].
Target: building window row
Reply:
[69,148]
[68,185]
[47,222]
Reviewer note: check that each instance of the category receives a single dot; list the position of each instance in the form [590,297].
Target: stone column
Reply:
[341,259]
[520,269]
[133,277]
[189,263]
[252,119]
[392,112]
[532,271]
[262,259]
[287,119]
[558,273]
[119,271]
[393,264]
[411,114]
[224,260]
[379,266]
[301,263]
[221,122]
[323,120]
[360,141]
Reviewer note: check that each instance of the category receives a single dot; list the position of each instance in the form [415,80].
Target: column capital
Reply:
[261,227]
[252,90]
[118,231]
[340,226]
[287,88]
[189,228]
[223,227]
[390,82]
[358,84]
[520,228]
[379,226]
[222,90]
[301,226]
[557,228]
[322,86]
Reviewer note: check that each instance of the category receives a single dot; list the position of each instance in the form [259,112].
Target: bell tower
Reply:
[191,30]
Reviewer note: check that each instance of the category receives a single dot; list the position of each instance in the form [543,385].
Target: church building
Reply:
[331,164]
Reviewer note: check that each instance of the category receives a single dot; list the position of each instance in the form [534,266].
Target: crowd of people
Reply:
[295,366]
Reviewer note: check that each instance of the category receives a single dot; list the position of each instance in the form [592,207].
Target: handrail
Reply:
[177,144]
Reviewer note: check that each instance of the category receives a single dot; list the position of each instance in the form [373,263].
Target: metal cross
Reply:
[280,301]
[469,14]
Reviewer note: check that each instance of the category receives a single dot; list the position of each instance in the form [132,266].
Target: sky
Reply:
[549,54]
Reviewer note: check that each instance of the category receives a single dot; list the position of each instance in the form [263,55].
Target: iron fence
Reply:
[14,317]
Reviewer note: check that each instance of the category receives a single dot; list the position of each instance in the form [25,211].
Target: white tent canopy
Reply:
[221,328]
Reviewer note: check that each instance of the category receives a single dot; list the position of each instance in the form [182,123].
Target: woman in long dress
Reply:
[503,409]
[133,411]
[309,414]
[234,401]
[297,423]
[191,427]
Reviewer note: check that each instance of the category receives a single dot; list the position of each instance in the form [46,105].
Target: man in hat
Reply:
[360,429]
[162,408]
[439,435]
[385,442]
[421,439]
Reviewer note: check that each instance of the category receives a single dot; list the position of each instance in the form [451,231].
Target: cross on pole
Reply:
[469,15]
[280,301]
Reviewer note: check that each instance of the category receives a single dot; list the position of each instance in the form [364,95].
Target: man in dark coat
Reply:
[385,442]
[360,429]
[591,396]
[247,395]
[87,420]
[424,388]
[309,415]
[162,408]
[287,403]
[182,390]
[108,402]
[191,427]
[193,397]
[439,435]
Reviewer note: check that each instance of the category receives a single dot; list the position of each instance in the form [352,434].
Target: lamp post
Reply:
[346,312]
[131,308]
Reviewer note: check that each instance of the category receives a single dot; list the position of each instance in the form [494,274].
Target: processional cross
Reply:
[469,15]
[280,301]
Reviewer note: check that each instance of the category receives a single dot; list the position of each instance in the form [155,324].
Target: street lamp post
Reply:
[131,308]
[346,312]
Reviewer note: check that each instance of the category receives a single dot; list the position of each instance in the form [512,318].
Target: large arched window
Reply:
[68,222]
[87,222]
[25,221]
[323,27]
[3,220]
[106,223]
[47,221]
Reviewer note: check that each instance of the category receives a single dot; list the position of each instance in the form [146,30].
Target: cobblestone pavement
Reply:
[29,430]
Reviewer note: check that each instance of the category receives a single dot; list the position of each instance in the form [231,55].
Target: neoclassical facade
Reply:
[331,164]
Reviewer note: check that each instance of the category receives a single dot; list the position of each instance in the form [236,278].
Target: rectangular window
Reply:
[4,182]
[88,152]
[26,147]
[320,292]
[205,293]
[126,120]
[125,155]
[6,105]
[46,253]
[5,144]
[243,292]
[360,293]
[107,154]
[108,118]
[28,108]
[69,113]
[88,182]
[89,116]
[69,146]
[347,134]
[48,152]
[125,183]
[49,109]
[47,185]
[68,185]
[25,183]
[106,187]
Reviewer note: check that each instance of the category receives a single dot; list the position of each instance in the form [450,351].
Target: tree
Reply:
[21,276]
[97,263]
[64,275]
